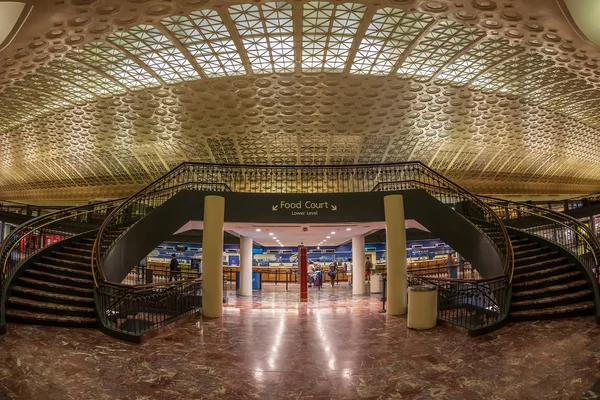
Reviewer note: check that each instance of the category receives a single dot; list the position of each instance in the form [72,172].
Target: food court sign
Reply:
[303,207]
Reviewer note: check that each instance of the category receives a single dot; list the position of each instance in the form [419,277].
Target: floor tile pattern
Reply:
[274,347]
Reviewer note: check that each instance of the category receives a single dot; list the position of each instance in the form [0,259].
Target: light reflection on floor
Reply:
[271,346]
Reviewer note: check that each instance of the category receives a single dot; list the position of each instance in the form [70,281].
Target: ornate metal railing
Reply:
[474,304]
[466,204]
[30,237]
[277,179]
[27,209]
[555,227]
[132,308]
[136,310]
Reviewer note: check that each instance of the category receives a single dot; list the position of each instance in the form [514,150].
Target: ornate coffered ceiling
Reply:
[99,97]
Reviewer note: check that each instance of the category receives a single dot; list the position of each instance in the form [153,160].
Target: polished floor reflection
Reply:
[274,347]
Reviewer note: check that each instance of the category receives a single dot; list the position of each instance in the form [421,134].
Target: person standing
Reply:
[349,272]
[451,267]
[332,271]
[368,269]
[173,267]
[141,273]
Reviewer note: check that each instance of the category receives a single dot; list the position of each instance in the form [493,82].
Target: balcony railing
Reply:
[278,179]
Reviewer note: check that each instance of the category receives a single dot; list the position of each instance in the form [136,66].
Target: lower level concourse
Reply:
[335,346]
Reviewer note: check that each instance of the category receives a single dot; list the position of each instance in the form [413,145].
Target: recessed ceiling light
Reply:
[348,229]
[271,234]
[328,237]
[274,237]
[333,233]
[257,230]
[324,241]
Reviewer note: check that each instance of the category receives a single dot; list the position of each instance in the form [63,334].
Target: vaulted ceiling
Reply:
[99,97]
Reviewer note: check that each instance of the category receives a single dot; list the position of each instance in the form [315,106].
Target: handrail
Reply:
[96,248]
[32,232]
[569,227]
[34,224]
[550,217]
[181,168]
[287,179]
[509,260]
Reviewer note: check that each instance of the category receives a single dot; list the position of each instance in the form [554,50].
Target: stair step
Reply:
[89,240]
[534,257]
[63,261]
[525,253]
[51,295]
[37,283]
[78,256]
[78,250]
[540,272]
[554,311]
[66,270]
[526,246]
[48,306]
[540,263]
[551,299]
[520,241]
[61,278]
[547,279]
[28,317]
[84,245]
[551,289]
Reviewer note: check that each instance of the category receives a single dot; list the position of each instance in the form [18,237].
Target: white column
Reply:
[358,265]
[395,233]
[245,266]
[212,257]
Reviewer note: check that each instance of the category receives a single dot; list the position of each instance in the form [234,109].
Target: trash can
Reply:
[376,282]
[422,307]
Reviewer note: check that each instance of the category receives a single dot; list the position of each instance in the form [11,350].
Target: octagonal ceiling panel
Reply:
[102,97]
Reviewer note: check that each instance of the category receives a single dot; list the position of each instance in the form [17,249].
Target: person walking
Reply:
[173,267]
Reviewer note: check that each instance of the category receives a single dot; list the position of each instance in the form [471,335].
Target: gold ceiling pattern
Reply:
[489,94]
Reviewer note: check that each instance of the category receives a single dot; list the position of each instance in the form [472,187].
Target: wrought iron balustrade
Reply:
[282,179]
[555,227]
[474,304]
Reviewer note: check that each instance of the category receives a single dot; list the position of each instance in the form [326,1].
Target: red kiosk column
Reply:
[303,264]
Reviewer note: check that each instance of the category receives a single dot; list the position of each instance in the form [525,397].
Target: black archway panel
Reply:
[436,216]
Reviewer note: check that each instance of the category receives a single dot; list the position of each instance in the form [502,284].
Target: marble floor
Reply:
[274,347]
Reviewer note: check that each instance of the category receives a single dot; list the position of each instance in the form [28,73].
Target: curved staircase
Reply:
[56,290]
[546,284]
